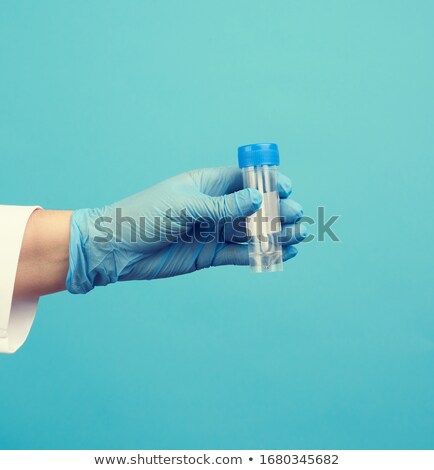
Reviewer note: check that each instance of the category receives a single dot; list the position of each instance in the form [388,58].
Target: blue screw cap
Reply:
[258,155]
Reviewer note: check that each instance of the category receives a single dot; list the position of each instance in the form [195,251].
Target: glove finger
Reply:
[290,211]
[284,185]
[226,180]
[218,181]
[232,254]
[289,252]
[230,206]
[293,234]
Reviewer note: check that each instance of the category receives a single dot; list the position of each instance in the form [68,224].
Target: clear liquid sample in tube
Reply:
[258,163]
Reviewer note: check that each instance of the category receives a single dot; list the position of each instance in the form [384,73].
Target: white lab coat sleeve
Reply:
[16,316]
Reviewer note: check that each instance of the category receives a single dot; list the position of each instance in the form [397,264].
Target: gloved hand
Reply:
[157,234]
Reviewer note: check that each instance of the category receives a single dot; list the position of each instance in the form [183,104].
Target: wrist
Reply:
[88,266]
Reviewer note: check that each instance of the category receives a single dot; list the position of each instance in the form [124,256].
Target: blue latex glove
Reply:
[155,237]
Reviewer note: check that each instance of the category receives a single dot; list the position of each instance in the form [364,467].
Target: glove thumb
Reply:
[238,204]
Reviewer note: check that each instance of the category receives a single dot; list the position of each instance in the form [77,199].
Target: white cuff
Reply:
[16,317]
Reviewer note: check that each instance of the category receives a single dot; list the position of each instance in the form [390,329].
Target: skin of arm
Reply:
[44,258]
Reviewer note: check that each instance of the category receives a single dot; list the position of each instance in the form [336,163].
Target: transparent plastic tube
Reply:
[263,227]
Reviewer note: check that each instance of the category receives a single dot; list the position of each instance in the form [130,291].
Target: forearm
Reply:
[44,256]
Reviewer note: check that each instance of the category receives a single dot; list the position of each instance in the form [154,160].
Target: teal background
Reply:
[101,99]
